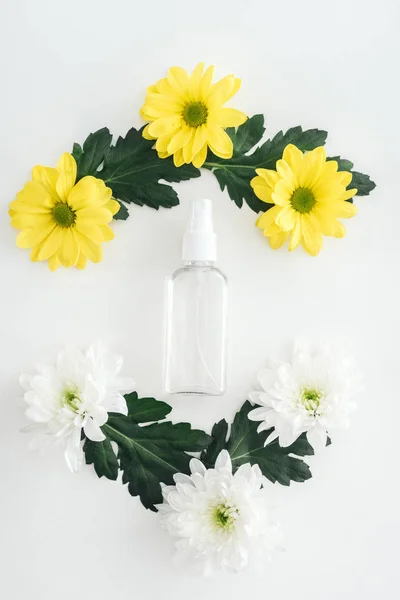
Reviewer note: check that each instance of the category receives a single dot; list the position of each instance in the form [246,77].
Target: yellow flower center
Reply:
[195,114]
[303,200]
[63,215]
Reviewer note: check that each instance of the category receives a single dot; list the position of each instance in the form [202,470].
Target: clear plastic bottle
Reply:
[197,300]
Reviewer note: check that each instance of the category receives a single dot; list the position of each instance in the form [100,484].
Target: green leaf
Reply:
[153,453]
[236,173]
[91,156]
[246,445]
[132,169]
[77,152]
[218,434]
[147,454]
[145,410]
[102,456]
[245,137]
[362,182]
[123,212]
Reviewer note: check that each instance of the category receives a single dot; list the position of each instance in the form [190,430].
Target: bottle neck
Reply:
[198,263]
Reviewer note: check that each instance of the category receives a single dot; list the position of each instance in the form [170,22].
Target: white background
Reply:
[69,68]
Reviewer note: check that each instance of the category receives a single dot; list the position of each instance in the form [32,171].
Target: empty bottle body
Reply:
[196,330]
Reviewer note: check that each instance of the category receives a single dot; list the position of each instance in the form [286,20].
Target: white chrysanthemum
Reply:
[77,393]
[311,394]
[221,519]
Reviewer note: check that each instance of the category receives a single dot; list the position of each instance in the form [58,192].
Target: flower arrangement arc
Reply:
[64,213]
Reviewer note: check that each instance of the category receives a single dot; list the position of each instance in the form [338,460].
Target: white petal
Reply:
[124,384]
[271,437]
[223,461]
[257,414]
[99,414]
[287,438]
[25,381]
[317,438]
[73,452]
[196,466]
[115,403]
[93,431]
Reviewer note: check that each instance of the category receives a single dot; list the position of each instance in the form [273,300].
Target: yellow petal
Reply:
[178,158]
[295,237]
[33,198]
[88,192]
[165,126]
[294,158]
[286,218]
[30,220]
[54,262]
[91,250]
[261,189]
[205,84]
[313,163]
[90,231]
[348,194]
[31,237]
[222,91]
[97,215]
[160,102]
[69,249]
[187,148]
[179,140]
[51,244]
[200,138]
[164,141]
[163,154]
[286,173]
[81,262]
[329,225]
[311,234]
[219,142]
[164,87]
[270,176]
[277,240]
[344,178]
[280,199]
[229,117]
[200,157]
[107,232]
[66,180]
[179,80]
[145,133]
[195,82]
[47,177]
[267,218]
[113,206]
[343,209]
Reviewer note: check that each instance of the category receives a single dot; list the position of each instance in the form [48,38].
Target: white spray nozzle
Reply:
[200,241]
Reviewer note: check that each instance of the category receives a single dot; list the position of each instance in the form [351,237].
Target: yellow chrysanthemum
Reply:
[62,222]
[309,194]
[187,115]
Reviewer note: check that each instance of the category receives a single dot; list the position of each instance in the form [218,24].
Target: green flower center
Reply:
[303,200]
[71,399]
[224,516]
[195,114]
[311,399]
[63,215]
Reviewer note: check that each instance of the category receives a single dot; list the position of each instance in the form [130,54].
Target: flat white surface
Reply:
[69,68]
